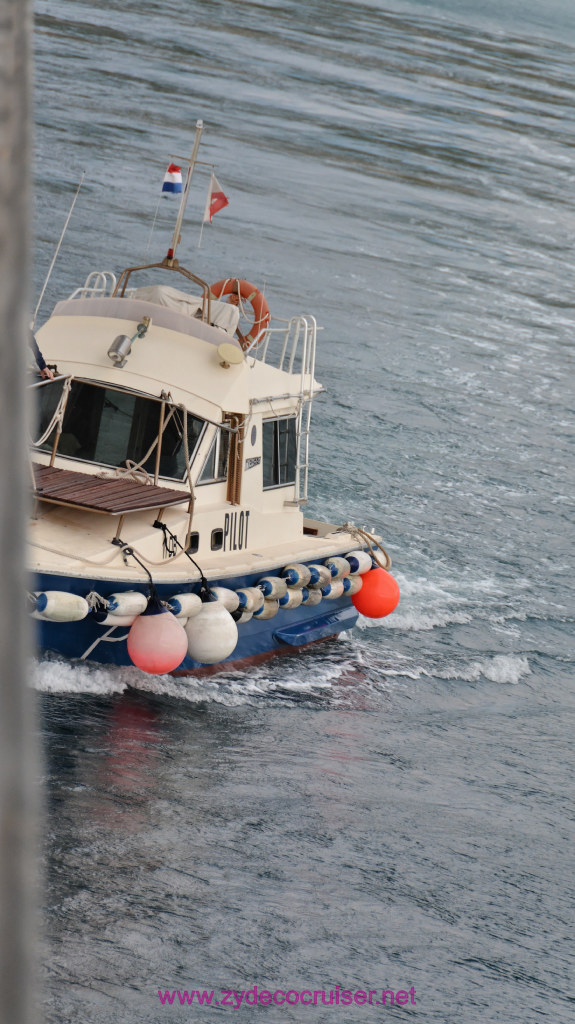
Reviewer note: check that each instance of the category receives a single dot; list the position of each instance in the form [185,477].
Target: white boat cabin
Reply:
[154,389]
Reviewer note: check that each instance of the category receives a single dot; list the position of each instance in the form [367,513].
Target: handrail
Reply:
[96,284]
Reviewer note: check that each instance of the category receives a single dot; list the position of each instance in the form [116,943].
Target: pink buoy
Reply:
[157,642]
[379,594]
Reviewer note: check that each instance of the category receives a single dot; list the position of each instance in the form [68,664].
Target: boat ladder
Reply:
[296,342]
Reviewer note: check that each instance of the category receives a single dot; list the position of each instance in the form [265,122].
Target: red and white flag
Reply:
[216,200]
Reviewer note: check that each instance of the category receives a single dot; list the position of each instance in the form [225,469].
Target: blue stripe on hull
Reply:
[289,628]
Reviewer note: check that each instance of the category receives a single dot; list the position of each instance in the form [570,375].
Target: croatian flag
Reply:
[216,199]
[172,179]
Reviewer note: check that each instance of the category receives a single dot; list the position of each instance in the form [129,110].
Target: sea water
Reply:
[391,810]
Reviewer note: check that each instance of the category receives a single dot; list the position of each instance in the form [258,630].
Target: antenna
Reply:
[177,236]
[55,256]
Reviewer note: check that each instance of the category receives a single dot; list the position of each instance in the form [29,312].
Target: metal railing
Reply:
[98,284]
[291,347]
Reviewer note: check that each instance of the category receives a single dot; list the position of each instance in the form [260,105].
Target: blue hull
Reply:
[289,629]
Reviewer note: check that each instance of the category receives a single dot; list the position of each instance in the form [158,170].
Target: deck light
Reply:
[122,345]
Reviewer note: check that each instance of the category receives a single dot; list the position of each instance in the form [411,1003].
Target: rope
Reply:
[74,558]
[105,636]
[58,416]
[133,468]
[150,561]
[128,552]
[169,545]
[105,561]
[171,540]
[363,537]
[139,474]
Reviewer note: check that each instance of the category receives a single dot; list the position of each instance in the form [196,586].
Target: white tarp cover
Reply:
[223,315]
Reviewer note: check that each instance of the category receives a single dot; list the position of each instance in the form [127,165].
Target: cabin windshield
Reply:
[112,427]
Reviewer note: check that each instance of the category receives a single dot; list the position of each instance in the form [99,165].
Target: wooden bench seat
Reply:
[113,496]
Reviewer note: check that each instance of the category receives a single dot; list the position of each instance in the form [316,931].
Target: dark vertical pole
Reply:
[17,746]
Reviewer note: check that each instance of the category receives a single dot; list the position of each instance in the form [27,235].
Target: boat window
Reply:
[112,427]
[194,544]
[279,440]
[216,464]
[48,397]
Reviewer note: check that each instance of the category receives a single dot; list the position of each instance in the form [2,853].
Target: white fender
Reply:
[333,590]
[292,599]
[60,606]
[229,598]
[311,597]
[355,585]
[212,634]
[359,562]
[296,574]
[319,576]
[272,586]
[269,608]
[185,606]
[104,618]
[251,598]
[129,602]
[338,567]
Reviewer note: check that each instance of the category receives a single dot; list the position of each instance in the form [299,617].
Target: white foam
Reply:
[60,676]
[502,668]
[414,619]
[405,673]
[233,688]
[427,603]
[212,689]
[229,687]
[506,668]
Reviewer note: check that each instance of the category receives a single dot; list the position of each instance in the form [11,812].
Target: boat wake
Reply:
[430,603]
[57,675]
[348,672]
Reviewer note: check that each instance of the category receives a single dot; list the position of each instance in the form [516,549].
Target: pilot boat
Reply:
[170,475]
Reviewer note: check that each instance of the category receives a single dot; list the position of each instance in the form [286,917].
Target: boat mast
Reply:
[177,236]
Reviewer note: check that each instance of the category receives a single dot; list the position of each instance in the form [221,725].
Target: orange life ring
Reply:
[237,290]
